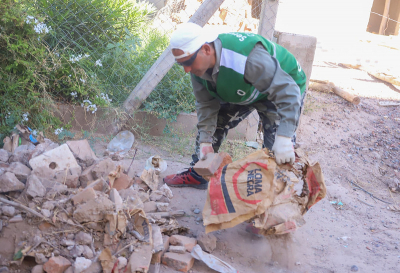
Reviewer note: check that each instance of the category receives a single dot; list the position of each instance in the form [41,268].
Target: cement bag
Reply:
[239,191]
[255,188]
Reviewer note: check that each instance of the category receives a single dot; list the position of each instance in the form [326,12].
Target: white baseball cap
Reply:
[189,37]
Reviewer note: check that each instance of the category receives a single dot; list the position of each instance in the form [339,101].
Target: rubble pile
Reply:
[91,216]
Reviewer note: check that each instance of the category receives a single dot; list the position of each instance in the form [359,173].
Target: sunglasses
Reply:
[190,61]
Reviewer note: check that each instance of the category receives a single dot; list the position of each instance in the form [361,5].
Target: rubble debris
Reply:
[107,260]
[116,199]
[177,249]
[122,262]
[212,261]
[8,211]
[179,262]
[156,258]
[4,156]
[40,258]
[43,147]
[81,264]
[162,207]
[83,238]
[207,242]
[99,185]
[84,196]
[37,269]
[21,154]
[82,152]
[56,265]
[20,170]
[150,206]
[179,240]
[167,191]
[34,187]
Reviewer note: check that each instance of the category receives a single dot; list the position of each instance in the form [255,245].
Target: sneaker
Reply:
[187,178]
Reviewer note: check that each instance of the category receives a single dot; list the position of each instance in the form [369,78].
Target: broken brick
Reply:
[208,166]
[179,240]
[156,258]
[56,265]
[177,261]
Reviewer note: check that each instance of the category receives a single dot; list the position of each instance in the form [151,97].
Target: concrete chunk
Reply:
[94,210]
[208,242]
[82,151]
[60,158]
[179,262]
[9,182]
[69,177]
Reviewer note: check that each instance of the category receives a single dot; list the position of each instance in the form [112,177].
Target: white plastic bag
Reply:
[211,261]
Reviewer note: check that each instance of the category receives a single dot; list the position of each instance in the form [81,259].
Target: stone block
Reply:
[43,147]
[208,166]
[84,196]
[58,159]
[56,265]
[34,187]
[9,182]
[83,238]
[179,240]
[179,262]
[82,151]
[156,258]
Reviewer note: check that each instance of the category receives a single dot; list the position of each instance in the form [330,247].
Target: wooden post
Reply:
[166,60]
[266,26]
[384,18]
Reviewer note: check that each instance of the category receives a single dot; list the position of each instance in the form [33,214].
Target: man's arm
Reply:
[265,74]
[207,108]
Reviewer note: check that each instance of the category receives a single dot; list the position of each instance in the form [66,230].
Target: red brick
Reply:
[84,196]
[179,262]
[208,166]
[56,265]
[179,240]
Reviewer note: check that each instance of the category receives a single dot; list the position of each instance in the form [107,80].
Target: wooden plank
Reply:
[269,12]
[166,60]
[384,18]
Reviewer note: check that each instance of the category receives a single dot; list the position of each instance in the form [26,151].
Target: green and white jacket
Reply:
[248,69]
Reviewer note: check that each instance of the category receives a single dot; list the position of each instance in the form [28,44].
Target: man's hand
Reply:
[205,148]
[283,149]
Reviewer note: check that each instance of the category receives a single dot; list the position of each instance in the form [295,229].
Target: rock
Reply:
[43,147]
[86,176]
[46,213]
[167,191]
[196,211]
[179,240]
[177,249]
[4,156]
[84,196]
[34,187]
[95,268]
[139,261]
[207,242]
[67,242]
[56,265]
[40,258]
[179,262]
[122,262]
[87,252]
[156,258]
[82,151]
[123,182]
[103,168]
[69,270]
[69,177]
[150,206]
[37,269]
[83,238]
[58,159]
[77,251]
[162,206]
[116,199]
[4,269]
[9,182]
[20,170]
[98,185]
[8,211]
[156,195]
[93,210]
[81,264]
[354,268]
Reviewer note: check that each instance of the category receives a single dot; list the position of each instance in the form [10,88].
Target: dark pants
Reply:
[230,115]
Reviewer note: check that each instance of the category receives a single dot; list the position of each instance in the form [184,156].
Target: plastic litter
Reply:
[252,144]
[156,163]
[122,142]
[212,261]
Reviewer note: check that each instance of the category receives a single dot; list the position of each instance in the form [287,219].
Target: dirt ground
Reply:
[355,145]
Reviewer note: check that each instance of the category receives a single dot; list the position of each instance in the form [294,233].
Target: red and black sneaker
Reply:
[187,178]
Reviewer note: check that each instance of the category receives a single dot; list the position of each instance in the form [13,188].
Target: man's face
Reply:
[196,63]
